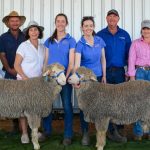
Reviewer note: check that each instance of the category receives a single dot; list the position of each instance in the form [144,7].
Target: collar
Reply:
[68,36]
[107,30]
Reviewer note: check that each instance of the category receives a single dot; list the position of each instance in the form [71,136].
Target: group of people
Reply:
[106,53]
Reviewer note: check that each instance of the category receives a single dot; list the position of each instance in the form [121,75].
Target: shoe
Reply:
[24,139]
[67,141]
[42,136]
[116,137]
[85,139]
[138,138]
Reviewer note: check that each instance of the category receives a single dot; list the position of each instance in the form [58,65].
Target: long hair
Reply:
[85,18]
[54,35]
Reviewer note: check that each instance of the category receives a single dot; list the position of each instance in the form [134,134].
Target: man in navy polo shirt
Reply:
[10,41]
[117,47]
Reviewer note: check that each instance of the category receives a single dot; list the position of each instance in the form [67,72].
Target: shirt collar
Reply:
[107,30]
[68,36]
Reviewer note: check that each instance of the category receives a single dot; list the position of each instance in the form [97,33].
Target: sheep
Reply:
[32,98]
[123,103]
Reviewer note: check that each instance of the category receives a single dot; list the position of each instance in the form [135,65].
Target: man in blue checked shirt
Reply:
[118,42]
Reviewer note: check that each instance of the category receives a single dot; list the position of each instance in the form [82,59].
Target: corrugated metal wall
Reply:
[132,12]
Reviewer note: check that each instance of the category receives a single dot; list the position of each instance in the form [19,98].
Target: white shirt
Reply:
[33,59]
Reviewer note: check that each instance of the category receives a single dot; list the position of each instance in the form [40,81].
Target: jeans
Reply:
[141,74]
[115,76]
[84,124]
[65,94]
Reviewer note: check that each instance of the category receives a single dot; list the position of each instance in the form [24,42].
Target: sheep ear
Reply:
[93,78]
[46,73]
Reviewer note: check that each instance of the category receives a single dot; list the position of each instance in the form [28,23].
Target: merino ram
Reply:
[123,103]
[32,98]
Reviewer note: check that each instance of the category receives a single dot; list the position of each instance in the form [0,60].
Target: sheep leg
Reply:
[34,123]
[101,134]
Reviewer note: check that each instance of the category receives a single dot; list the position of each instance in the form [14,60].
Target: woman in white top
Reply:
[30,61]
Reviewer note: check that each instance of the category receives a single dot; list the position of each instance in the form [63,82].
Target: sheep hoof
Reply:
[100,148]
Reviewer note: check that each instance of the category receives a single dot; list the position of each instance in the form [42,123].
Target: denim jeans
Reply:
[65,94]
[141,74]
[115,76]
[84,124]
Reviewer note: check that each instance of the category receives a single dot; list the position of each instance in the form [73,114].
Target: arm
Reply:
[45,59]
[17,65]
[6,65]
[71,62]
[103,62]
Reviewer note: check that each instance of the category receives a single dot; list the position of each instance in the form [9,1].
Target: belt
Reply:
[115,68]
[143,67]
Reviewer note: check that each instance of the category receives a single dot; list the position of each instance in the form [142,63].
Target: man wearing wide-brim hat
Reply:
[10,41]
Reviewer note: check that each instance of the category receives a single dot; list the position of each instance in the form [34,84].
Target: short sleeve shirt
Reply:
[59,51]
[33,59]
[91,55]
[9,45]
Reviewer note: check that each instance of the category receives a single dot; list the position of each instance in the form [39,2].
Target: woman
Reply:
[61,49]
[91,54]
[31,59]
[139,65]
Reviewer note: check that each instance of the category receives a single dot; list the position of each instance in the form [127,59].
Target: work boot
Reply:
[116,137]
[67,141]
[85,139]
[42,136]
[137,138]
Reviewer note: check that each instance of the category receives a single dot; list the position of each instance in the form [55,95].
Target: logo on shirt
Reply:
[96,45]
[65,42]
[121,37]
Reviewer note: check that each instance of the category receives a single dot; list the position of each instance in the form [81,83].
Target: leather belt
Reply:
[114,68]
[143,67]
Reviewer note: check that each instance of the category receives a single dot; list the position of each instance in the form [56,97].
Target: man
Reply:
[117,47]
[10,41]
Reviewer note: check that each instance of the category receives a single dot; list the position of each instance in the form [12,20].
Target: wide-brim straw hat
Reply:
[33,24]
[13,14]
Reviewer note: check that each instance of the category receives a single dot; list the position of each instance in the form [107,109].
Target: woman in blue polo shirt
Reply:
[61,48]
[90,53]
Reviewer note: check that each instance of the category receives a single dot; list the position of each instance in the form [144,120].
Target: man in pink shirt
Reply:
[139,65]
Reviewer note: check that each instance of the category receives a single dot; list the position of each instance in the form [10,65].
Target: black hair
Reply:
[40,33]
[85,18]
[54,35]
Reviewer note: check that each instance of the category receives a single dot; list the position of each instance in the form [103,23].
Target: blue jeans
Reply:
[65,94]
[115,76]
[84,124]
[141,74]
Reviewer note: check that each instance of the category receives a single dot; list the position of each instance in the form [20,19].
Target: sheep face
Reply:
[82,74]
[56,71]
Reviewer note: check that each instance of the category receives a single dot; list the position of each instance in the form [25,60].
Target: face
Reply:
[14,23]
[60,23]
[88,27]
[145,32]
[33,33]
[112,20]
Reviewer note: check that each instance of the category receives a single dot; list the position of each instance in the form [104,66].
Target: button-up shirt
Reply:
[139,55]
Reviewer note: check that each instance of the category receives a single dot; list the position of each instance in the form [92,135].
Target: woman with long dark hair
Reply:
[61,48]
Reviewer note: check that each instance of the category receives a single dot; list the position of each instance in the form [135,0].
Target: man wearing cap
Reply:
[117,47]
[139,66]
[10,41]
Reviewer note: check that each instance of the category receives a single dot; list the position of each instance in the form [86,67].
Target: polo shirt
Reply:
[33,59]
[91,55]
[117,47]
[59,50]
[9,45]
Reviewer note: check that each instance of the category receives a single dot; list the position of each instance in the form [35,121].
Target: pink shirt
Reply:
[139,54]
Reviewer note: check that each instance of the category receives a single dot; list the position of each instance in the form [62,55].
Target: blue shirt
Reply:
[59,51]
[9,45]
[117,47]
[91,55]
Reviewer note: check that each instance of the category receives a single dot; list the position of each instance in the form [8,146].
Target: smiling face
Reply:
[112,20]
[145,32]
[88,27]
[33,33]
[61,23]
[14,23]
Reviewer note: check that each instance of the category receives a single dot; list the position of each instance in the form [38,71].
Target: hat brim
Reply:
[39,27]
[6,19]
